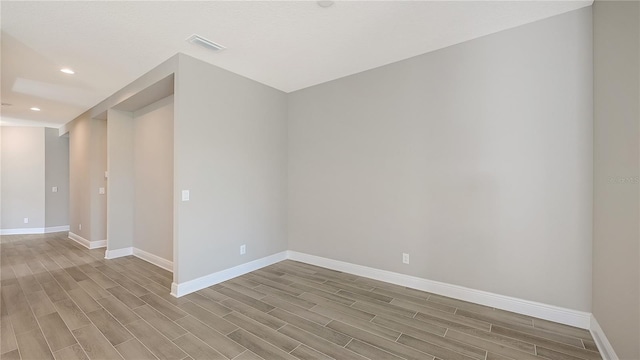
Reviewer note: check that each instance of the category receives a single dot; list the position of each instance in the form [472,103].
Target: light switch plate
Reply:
[54,189]
[101,191]
[185,195]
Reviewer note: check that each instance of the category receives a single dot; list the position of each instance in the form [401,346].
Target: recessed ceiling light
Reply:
[67,71]
[325,3]
[35,109]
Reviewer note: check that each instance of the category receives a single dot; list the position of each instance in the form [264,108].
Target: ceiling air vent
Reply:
[205,43]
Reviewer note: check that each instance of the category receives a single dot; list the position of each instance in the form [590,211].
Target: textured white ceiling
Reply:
[288,45]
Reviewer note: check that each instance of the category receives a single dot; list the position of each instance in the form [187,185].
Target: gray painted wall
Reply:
[88,156]
[121,192]
[87,164]
[56,174]
[153,178]
[97,167]
[475,159]
[79,179]
[616,237]
[22,182]
[230,152]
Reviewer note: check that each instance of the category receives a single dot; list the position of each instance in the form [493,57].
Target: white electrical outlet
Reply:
[26,220]
[79,226]
[101,191]
[185,195]
[405,258]
[243,249]
[54,189]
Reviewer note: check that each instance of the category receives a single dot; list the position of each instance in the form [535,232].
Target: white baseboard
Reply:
[543,311]
[34,231]
[558,314]
[54,229]
[154,259]
[141,254]
[604,346]
[113,254]
[22,231]
[86,243]
[190,286]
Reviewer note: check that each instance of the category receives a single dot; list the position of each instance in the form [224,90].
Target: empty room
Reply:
[267,180]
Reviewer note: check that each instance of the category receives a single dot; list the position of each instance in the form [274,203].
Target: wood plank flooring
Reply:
[61,301]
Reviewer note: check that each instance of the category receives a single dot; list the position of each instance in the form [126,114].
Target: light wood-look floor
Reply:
[62,301]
